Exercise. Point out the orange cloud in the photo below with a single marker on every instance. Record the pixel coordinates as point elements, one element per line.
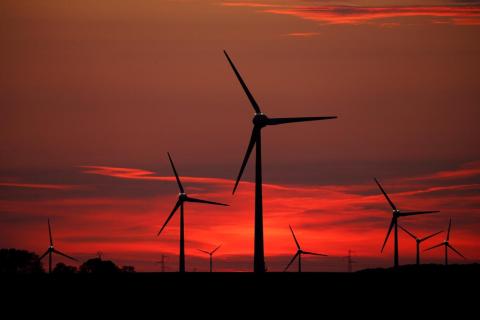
<point>302,34</point>
<point>459,15</point>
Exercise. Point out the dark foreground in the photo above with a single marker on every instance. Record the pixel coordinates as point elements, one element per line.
<point>454,288</point>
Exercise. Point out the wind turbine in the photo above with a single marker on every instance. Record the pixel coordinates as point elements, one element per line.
<point>260,120</point>
<point>447,245</point>
<point>211,256</point>
<point>350,261</point>
<point>419,240</point>
<point>52,250</point>
<point>182,198</point>
<point>299,253</point>
<point>396,213</point>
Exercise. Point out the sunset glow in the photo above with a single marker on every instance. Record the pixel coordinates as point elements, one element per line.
<point>94,95</point>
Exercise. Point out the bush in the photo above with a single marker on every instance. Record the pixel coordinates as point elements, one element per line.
<point>19,261</point>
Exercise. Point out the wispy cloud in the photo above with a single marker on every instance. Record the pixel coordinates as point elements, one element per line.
<point>383,16</point>
<point>302,34</point>
<point>38,186</point>
<point>468,170</point>
<point>140,174</point>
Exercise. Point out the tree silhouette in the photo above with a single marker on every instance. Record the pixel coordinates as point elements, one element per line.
<point>19,261</point>
<point>97,265</point>
<point>62,268</point>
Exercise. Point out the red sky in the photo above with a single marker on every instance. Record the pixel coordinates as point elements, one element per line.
<point>93,94</point>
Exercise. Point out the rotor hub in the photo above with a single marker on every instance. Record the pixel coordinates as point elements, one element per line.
<point>260,119</point>
<point>182,196</point>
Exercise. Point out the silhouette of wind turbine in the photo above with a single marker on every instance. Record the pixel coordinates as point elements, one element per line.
<point>52,250</point>
<point>447,245</point>
<point>260,120</point>
<point>350,261</point>
<point>419,240</point>
<point>211,256</point>
<point>182,198</point>
<point>299,253</point>
<point>162,262</point>
<point>396,213</point>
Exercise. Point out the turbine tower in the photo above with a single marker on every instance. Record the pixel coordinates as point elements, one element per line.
<point>260,121</point>
<point>51,249</point>
<point>419,240</point>
<point>396,213</point>
<point>182,198</point>
<point>299,253</point>
<point>447,245</point>
<point>211,256</point>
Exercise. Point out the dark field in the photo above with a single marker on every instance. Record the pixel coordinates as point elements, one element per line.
<point>412,287</point>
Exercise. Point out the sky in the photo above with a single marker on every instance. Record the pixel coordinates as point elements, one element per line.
<point>94,93</point>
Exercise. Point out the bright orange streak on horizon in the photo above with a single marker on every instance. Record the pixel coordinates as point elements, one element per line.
<point>327,219</point>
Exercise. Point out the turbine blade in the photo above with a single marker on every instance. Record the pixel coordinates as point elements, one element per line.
<point>176,174</point>
<point>414,213</point>
<point>291,261</point>
<point>215,249</point>
<point>392,223</point>
<point>275,121</point>
<point>449,226</point>
<point>456,251</point>
<point>244,86</point>
<point>63,254</point>
<point>385,194</point>
<point>203,251</point>
<point>436,246</point>
<point>294,238</point>
<point>170,216</point>
<point>50,233</point>
<point>315,254</point>
<point>432,235</point>
<point>205,201</point>
<point>410,234</point>
<point>251,144</point>
<point>43,255</point>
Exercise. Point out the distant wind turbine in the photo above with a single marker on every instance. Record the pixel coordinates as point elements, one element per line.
<point>260,120</point>
<point>350,261</point>
<point>447,245</point>
<point>299,253</point>
<point>419,240</point>
<point>182,198</point>
<point>211,256</point>
<point>162,262</point>
<point>52,250</point>
<point>396,213</point>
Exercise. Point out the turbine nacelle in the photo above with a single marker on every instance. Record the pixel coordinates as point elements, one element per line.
<point>260,120</point>
<point>50,248</point>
